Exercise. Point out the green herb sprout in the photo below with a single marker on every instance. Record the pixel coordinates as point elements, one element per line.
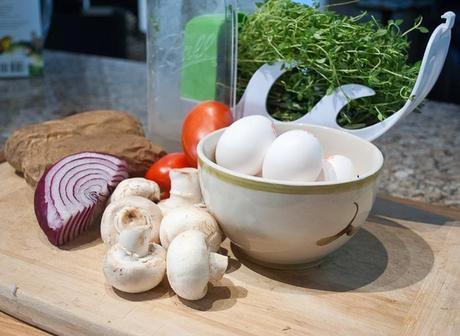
<point>327,50</point>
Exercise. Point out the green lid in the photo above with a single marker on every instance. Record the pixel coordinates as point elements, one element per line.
<point>200,57</point>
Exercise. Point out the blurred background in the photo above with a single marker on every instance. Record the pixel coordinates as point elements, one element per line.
<point>116,28</point>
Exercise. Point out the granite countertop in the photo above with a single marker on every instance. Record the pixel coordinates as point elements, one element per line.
<point>421,153</point>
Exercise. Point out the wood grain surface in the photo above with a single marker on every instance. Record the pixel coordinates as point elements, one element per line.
<point>399,275</point>
<point>9,326</point>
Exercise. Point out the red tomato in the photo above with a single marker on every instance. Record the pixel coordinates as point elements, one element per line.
<point>159,171</point>
<point>203,119</point>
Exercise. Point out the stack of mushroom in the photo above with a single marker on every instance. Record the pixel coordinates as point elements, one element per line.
<point>133,225</point>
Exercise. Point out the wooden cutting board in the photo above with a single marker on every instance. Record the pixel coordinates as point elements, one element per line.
<point>400,275</point>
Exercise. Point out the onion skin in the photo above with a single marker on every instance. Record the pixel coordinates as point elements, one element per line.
<point>91,177</point>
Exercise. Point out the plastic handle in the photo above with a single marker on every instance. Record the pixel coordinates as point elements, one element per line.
<point>430,69</point>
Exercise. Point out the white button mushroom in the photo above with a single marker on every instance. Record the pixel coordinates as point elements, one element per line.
<point>135,265</point>
<point>190,218</point>
<point>128,212</point>
<point>190,265</point>
<point>185,190</point>
<point>136,186</point>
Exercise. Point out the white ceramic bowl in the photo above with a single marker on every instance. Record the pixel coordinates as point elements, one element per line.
<point>284,223</point>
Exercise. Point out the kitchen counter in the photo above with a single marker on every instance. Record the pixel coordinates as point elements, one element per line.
<point>421,153</point>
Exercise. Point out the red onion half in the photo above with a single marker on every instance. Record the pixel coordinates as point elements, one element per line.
<point>72,193</point>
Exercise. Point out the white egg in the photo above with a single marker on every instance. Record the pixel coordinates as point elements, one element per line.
<point>294,156</point>
<point>243,144</point>
<point>338,168</point>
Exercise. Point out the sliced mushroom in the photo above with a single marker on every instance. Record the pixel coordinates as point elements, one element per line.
<point>185,190</point>
<point>128,212</point>
<point>136,186</point>
<point>135,265</point>
<point>190,265</point>
<point>190,218</point>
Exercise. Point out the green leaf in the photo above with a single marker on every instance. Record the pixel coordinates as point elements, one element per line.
<point>423,30</point>
<point>381,32</point>
<point>321,60</point>
<point>398,22</point>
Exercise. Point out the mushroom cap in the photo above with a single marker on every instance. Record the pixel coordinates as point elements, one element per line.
<point>127,212</point>
<point>190,218</point>
<point>131,274</point>
<point>190,265</point>
<point>171,203</point>
<point>187,263</point>
<point>136,186</point>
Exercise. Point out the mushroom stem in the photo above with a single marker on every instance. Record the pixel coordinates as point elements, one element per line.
<point>217,266</point>
<point>185,190</point>
<point>135,241</point>
<point>185,184</point>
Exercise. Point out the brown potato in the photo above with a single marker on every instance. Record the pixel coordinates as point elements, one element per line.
<point>32,149</point>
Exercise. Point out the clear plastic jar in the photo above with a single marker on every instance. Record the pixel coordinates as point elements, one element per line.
<point>190,58</point>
